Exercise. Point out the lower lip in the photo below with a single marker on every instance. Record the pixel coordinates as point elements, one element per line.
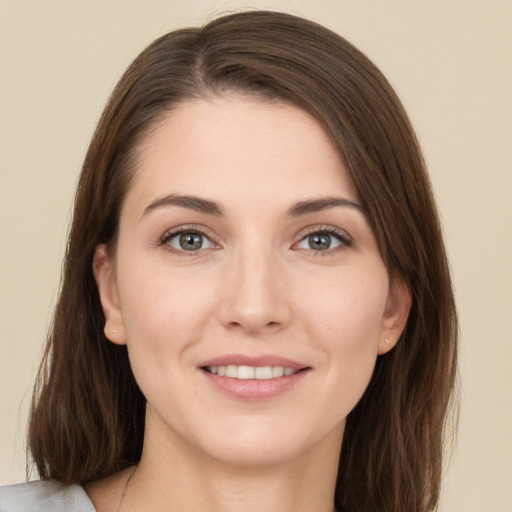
<point>255,389</point>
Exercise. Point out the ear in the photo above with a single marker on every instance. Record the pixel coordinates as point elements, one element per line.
<point>105,276</point>
<point>395,315</point>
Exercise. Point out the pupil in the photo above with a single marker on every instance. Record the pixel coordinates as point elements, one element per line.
<point>321,242</point>
<point>191,241</point>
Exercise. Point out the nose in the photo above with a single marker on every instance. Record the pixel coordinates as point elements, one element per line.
<point>254,296</point>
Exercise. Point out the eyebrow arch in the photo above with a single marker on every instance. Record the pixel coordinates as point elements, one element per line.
<point>192,202</point>
<point>316,205</point>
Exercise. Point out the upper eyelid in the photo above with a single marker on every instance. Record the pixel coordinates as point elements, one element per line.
<point>325,229</point>
<point>172,232</point>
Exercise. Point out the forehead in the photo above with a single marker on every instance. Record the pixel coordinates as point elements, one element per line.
<point>231,146</point>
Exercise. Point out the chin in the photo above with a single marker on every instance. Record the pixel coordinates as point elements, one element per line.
<point>256,454</point>
<point>269,444</point>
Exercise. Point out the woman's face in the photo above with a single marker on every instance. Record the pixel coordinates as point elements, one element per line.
<point>247,283</point>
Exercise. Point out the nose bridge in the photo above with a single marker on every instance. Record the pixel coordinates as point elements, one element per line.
<point>255,297</point>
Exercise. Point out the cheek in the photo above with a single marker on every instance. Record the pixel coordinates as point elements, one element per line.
<point>158,300</point>
<point>348,306</point>
<point>164,316</point>
<point>165,313</point>
<point>346,320</point>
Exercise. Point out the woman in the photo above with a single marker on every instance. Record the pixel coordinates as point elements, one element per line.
<point>256,311</point>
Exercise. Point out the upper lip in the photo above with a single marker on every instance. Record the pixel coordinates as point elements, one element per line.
<point>253,360</point>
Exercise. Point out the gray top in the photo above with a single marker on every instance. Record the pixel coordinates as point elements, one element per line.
<point>44,496</point>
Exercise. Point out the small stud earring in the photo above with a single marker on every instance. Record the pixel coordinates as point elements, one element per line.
<point>387,341</point>
<point>114,331</point>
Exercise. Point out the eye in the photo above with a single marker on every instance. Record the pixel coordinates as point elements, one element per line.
<point>189,241</point>
<point>323,240</point>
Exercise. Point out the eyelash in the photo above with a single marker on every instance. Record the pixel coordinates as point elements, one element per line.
<point>169,235</point>
<point>340,236</point>
<point>345,241</point>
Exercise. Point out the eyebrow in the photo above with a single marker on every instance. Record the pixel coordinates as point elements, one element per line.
<point>212,208</point>
<point>323,203</point>
<point>191,202</point>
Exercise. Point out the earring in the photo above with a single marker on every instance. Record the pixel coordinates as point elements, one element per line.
<point>387,341</point>
<point>115,331</point>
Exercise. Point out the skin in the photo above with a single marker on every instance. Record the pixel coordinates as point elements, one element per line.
<point>259,285</point>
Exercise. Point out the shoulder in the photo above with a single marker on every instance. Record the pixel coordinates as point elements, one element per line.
<point>44,495</point>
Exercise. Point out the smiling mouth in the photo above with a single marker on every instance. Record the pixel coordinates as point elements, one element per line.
<point>243,372</point>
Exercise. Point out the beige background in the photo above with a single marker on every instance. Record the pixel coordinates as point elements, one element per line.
<point>450,61</point>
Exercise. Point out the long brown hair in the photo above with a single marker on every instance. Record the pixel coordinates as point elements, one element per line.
<point>87,417</point>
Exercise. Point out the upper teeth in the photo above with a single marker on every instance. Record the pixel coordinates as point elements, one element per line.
<point>251,372</point>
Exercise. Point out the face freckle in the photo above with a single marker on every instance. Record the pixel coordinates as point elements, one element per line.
<point>216,267</point>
